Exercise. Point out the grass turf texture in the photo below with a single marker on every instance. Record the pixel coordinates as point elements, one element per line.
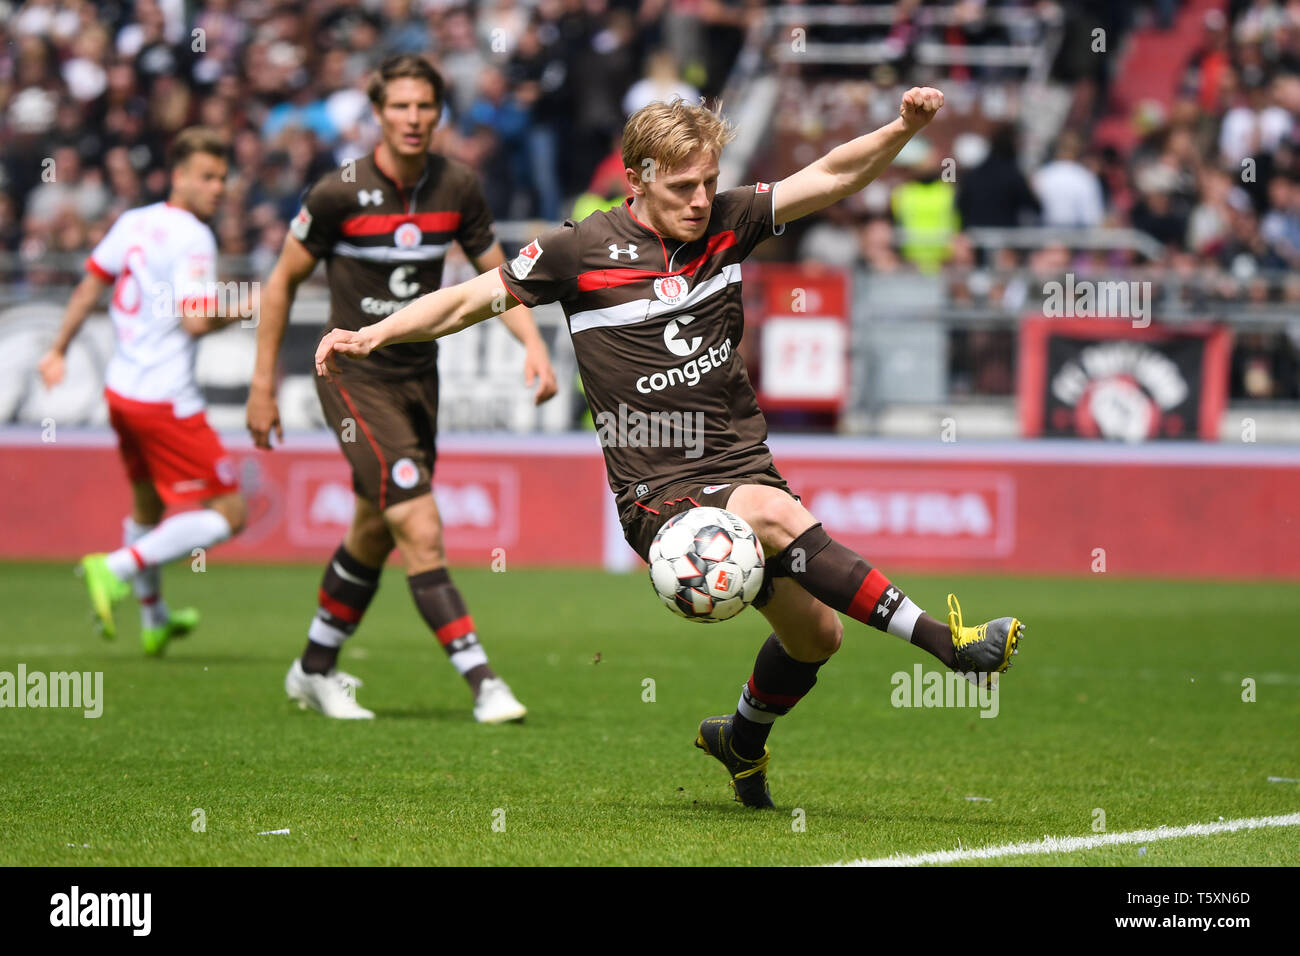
<point>1126,696</point>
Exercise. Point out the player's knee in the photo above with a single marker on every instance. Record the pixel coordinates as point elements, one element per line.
<point>420,543</point>
<point>233,509</point>
<point>817,639</point>
<point>777,519</point>
<point>830,635</point>
<point>370,540</point>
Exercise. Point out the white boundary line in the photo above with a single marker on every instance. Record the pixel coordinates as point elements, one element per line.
<point>1072,844</point>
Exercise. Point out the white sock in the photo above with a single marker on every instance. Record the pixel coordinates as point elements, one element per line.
<point>466,660</point>
<point>904,620</point>
<point>148,583</point>
<point>176,537</point>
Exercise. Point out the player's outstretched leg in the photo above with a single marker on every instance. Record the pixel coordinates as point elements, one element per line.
<point>417,530</point>
<point>842,579</point>
<point>805,634</point>
<point>109,577</point>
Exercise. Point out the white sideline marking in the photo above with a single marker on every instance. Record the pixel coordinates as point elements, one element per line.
<point>1071,844</point>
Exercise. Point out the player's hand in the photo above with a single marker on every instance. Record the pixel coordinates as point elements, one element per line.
<point>263,416</point>
<point>339,342</point>
<point>919,106</point>
<point>537,368</point>
<point>51,367</point>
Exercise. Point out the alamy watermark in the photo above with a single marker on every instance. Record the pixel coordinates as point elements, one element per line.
<point>81,690</point>
<point>1086,299</point>
<point>130,910</point>
<point>922,688</point>
<point>629,428</point>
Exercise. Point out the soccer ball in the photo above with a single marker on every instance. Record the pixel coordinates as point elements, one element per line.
<point>706,564</point>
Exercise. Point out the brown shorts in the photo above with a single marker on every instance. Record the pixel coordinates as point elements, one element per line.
<point>642,524</point>
<point>388,432</point>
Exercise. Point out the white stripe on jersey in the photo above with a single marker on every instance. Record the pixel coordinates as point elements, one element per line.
<point>642,310</point>
<point>390,254</point>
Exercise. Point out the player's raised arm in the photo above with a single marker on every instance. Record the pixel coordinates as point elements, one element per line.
<point>519,320</point>
<point>429,317</point>
<point>849,167</point>
<point>291,270</point>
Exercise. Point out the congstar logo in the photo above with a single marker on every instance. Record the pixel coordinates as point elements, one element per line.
<point>688,373</point>
<point>678,346</point>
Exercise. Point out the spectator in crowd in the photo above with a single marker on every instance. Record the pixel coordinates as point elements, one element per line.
<point>995,193</point>
<point>539,72</point>
<point>925,209</point>
<point>1069,192</point>
<point>662,83</point>
<point>498,112</point>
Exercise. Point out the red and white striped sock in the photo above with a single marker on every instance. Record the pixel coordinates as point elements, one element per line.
<point>841,578</point>
<point>147,583</point>
<point>176,537</point>
<point>443,609</point>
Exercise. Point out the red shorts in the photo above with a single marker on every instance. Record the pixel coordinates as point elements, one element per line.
<point>182,457</point>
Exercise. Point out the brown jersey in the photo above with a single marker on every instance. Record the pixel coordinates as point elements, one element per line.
<point>655,325</point>
<point>385,245</point>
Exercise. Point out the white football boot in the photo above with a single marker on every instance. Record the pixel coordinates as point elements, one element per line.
<point>333,694</point>
<point>496,704</point>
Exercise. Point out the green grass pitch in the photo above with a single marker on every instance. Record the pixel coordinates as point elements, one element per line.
<point>1126,697</point>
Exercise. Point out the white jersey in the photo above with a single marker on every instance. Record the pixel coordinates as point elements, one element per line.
<point>162,260</point>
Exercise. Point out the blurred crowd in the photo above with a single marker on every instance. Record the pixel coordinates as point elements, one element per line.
<point>1214,180</point>
<point>91,93</point>
<point>538,90</point>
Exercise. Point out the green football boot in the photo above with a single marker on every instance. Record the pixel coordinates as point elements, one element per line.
<point>105,588</point>
<point>179,624</point>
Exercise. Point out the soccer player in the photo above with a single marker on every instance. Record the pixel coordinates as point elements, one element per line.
<point>652,295</point>
<point>161,262</point>
<point>383,224</point>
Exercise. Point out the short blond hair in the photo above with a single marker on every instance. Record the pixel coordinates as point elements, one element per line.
<point>197,139</point>
<point>667,133</point>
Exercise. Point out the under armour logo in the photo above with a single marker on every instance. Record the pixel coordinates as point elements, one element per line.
<point>642,490</point>
<point>368,197</point>
<point>614,250</point>
<point>889,598</point>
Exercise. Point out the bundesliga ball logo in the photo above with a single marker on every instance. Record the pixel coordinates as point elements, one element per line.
<point>706,564</point>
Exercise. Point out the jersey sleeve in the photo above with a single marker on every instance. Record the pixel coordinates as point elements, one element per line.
<point>475,233</point>
<point>751,212</point>
<point>108,258</point>
<point>194,277</point>
<point>318,221</point>
<point>545,270</point>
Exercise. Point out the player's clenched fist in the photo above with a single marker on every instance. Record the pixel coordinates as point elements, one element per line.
<point>919,105</point>
<point>339,342</point>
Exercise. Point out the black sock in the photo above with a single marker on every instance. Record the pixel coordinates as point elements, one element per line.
<point>443,609</point>
<point>319,658</point>
<point>777,684</point>
<point>345,592</point>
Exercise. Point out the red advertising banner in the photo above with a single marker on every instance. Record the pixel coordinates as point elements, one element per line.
<point>63,499</point>
<point>1169,509</point>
